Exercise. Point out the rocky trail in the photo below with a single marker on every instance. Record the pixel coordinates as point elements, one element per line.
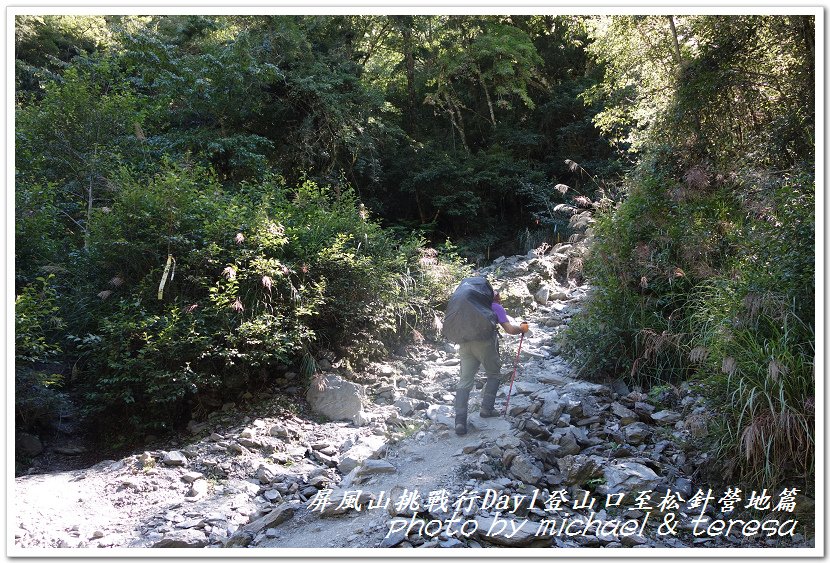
<point>390,472</point>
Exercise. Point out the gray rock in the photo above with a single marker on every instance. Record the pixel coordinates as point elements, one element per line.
<point>542,295</point>
<point>362,418</point>
<point>451,543</point>
<point>197,490</point>
<point>28,444</point>
<point>526,387</point>
<point>643,410</point>
<point>280,514</point>
<point>552,406</point>
<point>174,459</point>
<point>405,405</point>
<point>633,540</point>
<point>665,417</point>
<point>375,466</point>
<point>335,398</point>
<point>519,404</point>
<point>579,469</point>
<point>568,443</point>
<point>266,473</point>
<point>272,495</point>
<point>248,443</point>
<point>590,407</point>
<point>627,416</point>
<point>620,388</point>
<point>630,477</point>
<point>191,476</point>
<point>394,538</point>
<point>369,447</point>
<point>441,414</point>
<point>239,539</point>
<point>525,470</point>
<point>683,486</point>
<point>636,433</point>
<point>279,431</point>
<point>183,538</point>
<point>586,388</point>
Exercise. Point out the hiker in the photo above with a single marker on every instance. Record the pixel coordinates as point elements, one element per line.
<point>472,320</point>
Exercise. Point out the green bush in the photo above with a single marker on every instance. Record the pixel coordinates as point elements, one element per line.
<point>755,339</point>
<point>203,290</point>
<point>37,381</point>
<point>718,285</point>
<point>648,253</point>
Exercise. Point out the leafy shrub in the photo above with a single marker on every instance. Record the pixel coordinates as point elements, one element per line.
<point>648,253</point>
<point>202,290</point>
<point>37,324</point>
<point>755,339</point>
<point>715,284</point>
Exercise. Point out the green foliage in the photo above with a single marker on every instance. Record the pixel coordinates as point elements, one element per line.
<point>76,138</point>
<point>36,348</point>
<point>648,253</point>
<point>263,277</point>
<point>706,268</point>
<point>755,337</point>
<point>37,222</point>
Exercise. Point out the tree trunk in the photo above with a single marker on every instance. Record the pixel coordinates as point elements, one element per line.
<point>677,55</point>
<point>409,59</point>
<point>457,123</point>
<point>487,95</point>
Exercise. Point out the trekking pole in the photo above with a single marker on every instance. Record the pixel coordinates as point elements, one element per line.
<point>512,377</point>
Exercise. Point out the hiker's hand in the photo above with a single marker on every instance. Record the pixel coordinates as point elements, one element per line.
<point>524,327</point>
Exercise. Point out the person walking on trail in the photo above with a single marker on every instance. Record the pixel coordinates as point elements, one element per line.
<point>473,316</point>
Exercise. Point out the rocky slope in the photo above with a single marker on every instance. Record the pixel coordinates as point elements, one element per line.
<point>279,478</point>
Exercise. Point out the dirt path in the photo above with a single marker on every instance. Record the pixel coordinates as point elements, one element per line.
<point>424,465</point>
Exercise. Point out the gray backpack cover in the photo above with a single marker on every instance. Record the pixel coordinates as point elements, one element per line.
<point>469,314</point>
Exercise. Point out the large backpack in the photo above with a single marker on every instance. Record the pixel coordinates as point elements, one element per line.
<point>469,313</point>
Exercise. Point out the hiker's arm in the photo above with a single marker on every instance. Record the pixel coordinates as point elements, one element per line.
<point>510,328</point>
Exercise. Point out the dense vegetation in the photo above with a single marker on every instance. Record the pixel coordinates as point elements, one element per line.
<point>204,202</point>
<point>706,270</point>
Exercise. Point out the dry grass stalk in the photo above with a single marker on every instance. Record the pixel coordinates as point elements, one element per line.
<point>698,354</point>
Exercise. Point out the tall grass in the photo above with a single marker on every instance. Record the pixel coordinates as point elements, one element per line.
<point>759,367</point>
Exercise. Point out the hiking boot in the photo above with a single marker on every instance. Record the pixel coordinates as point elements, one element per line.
<point>462,396</point>
<point>488,398</point>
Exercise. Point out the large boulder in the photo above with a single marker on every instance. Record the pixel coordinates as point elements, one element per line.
<point>552,406</point>
<point>28,444</point>
<point>246,534</point>
<point>525,470</point>
<point>335,398</point>
<point>183,538</point>
<point>630,477</point>
<point>369,447</point>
